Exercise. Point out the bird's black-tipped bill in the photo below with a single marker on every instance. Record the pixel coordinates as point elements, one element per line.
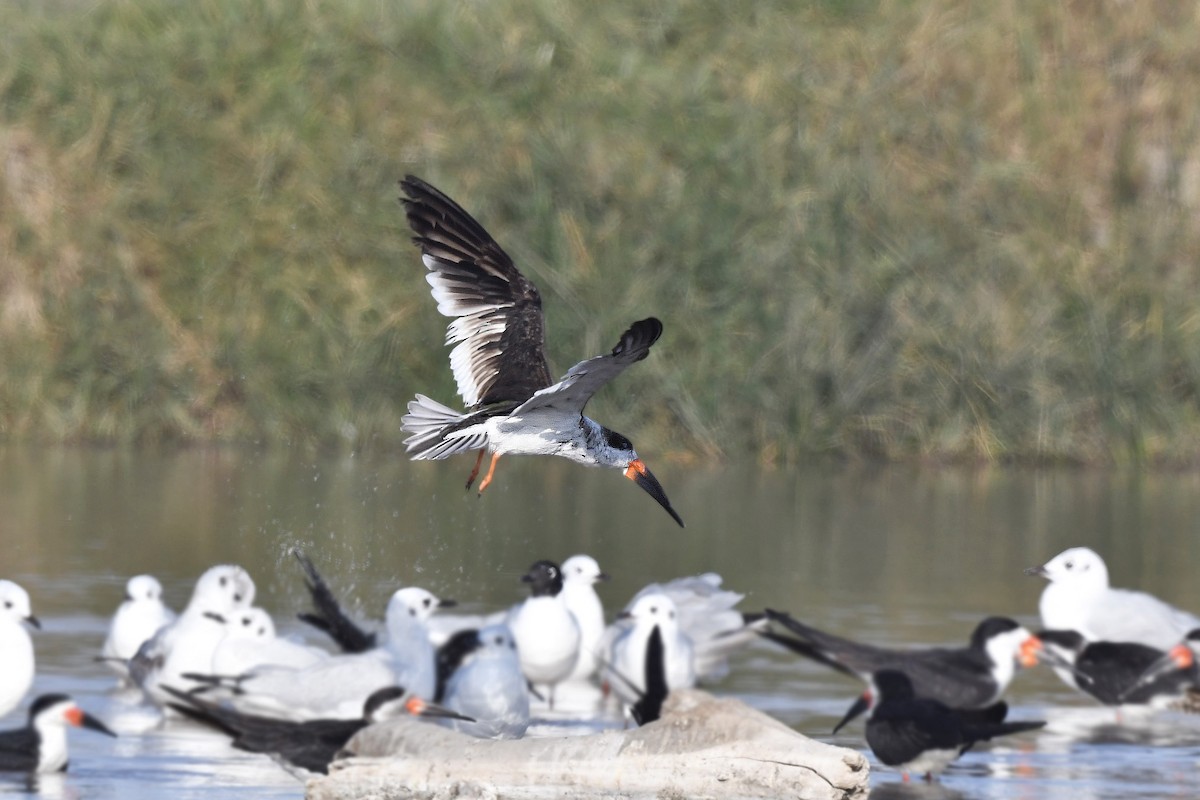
<point>861,704</point>
<point>34,621</point>
<point>1036,572</point>
<point>640,474</point>
<point>81,719</point>
<point>1178,658</point>
<point>419,708</point>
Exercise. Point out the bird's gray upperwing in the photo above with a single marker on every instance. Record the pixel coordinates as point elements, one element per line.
<point>498,327</point>
<point>587,377</point>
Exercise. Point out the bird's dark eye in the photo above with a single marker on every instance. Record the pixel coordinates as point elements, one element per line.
<point>412,612</point>
<point>1070,565</point>
<point>224,580</point>
<point>8,603</point>
<point>427,602</point>
<point>653,609</point>
<point>617,441</point>
<point>246,621</point>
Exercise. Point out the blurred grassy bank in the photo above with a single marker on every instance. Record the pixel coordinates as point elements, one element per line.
<point>901,229</point>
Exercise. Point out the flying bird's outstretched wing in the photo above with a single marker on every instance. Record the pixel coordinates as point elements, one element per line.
<point>498,327</point>
<point>585,378</point>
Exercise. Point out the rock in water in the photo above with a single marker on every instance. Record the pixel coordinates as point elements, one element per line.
<point>702,747</point>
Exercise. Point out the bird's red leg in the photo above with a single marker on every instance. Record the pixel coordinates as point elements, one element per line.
<point>487,479</point>
<point>475,471</point>
<point>904,777</point>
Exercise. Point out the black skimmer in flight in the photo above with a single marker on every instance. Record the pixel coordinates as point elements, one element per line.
<point>513,404</point>
<point>309,745</point>
<point>1113,672</point>
<point>971,677</point>
<point>919,735</point>
<point>41,746</point>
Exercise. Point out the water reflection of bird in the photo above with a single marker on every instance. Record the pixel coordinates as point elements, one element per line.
<point>1079,598</point>
<point>41,746</point>
<point>970,677</point>
<point>922,736</point>
<point>17,663</point>
<point>310,745</point>
<point>499,363</point>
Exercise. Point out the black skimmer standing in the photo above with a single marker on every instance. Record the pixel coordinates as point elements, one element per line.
<point>970,677</point>
<point>920,735</point>
<point>499,363</point>
<point>1079,598</point>
<point>17,664</point>
<point>309,745</point>
<point>1179,664</point>
<point>1112,672</point>
<point>41,746</point>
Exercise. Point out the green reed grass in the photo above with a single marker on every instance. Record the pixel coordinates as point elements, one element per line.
<point>908,230</point>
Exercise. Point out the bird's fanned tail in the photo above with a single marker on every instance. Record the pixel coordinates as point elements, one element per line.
<point>432,425</point>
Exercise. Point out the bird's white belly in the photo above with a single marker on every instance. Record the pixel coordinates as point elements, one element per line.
<point>931,762</point>
<point>536,434</point>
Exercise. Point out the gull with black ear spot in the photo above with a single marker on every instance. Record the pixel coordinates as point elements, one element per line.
<point>489,687</point>
<point>650,613</point>
<point>141,614</point>
<point>499,362</point>
<point>337,687</point>
<point>186,646</point>
<point>1079,598</point>
<point>250,641</point>
<point>16,648</point>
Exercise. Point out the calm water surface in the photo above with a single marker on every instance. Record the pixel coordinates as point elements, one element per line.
<point>897,555</point>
